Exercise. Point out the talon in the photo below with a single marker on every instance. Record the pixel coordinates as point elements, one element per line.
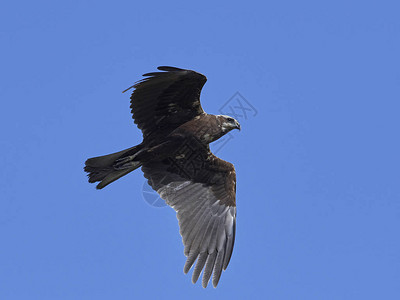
<point>131,164</point>
<point>122,163</point>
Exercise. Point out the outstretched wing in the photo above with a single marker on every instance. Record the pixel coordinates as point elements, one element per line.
<point>203,193</point>
<point>165,100</point>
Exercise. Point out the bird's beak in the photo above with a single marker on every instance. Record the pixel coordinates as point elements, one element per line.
<point>237,125</point>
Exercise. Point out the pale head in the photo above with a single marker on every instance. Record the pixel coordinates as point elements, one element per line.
<point>227,123</point>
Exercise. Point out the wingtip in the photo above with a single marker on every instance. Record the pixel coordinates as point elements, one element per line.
<point>194,280</point>
<point>215,281</point>
<point>204,284</point>
<point>169,69</point>
<point>186,270</point>
<point>128,88</point>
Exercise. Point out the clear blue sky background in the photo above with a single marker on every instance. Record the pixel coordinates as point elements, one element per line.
<point>318,167</point>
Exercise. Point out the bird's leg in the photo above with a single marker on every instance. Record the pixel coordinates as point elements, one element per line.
<point>158,152</point>
<point>161,151</point>
<point>127,162</point>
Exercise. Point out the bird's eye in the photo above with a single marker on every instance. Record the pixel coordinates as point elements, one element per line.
<point>229,119</point>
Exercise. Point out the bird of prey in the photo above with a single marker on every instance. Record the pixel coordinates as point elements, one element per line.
<point>177,162</point>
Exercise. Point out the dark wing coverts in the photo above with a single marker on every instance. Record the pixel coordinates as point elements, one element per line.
<point>206,212</point>
<point>165,100</point>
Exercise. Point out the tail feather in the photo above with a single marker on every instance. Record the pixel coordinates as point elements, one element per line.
<point>102,168</point>
<point>112,176</point>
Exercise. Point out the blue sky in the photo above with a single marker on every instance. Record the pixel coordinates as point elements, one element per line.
<point>317,165</point>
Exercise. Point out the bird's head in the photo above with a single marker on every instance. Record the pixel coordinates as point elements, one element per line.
<point>228,123</point>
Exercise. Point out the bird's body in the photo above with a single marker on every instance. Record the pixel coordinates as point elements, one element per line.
<point>176,159</point>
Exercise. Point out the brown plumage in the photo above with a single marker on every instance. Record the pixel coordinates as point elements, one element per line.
<point>176,160</point>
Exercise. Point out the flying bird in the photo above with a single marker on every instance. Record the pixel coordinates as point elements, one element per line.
<point>176,160</point>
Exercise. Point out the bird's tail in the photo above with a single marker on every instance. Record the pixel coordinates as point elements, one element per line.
<point>108,168</point>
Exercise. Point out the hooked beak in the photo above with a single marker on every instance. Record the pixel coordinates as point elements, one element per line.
<point>237,125</point>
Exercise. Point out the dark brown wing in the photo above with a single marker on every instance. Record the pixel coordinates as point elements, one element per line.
<point>203,193</point>
<point>165,100</point>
